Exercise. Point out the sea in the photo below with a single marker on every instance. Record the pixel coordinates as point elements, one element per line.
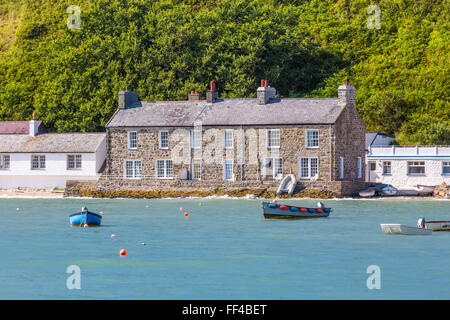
<point>223,249</point>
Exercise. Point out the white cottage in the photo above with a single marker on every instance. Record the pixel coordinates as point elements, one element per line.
<point>48,160</point>
<point>405,167</point>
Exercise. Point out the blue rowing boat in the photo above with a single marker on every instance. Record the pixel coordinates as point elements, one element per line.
<point>85,217</point>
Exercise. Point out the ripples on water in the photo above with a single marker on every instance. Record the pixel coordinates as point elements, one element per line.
<point>223,250</point>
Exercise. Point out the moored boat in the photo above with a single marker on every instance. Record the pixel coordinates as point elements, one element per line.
<point>389,191</point>
<point>392,228</point>
<point>85,217</point>
<point>438,225</point>
<point>273,210</point>
<point>368,193</point>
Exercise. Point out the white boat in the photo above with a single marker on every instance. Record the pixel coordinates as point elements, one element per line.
<point>389,191</point>
<point>438,225</point>
<point>368,193</point>
<point>407,192</point>
<point>287,185</point>
<point>391,228</point>
<point>425,189</point>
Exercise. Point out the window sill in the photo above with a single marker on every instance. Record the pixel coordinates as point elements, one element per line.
<point>312,147</point>
<point>416,174</point>
<point>164,178</point>
<point>386,174</point>
<point>273,147</point>
<point>163,148</point>
<point>133,178</point>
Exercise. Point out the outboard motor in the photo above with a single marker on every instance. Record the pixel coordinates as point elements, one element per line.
<point>421,223</point>
<point>320,205</point>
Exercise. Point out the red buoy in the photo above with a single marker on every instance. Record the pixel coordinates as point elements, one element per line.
<point>123,253</point>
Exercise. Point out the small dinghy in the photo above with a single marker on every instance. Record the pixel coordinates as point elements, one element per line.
<point>391,228</point>
<point>287,185</point>
<point>79,219</point>
<point>273,210</point>
<point>368,193</point>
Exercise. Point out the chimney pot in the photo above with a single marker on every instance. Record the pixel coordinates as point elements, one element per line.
<point>262,83</point>
<point>347,81</point>
<point>34,115</point>
<point>266,83</point>
<point>211,94</point>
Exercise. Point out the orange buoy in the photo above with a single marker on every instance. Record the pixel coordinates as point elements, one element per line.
<point>181,209</point>
<point>123,253</point>
<point>186,214</point>
<point>86,225</point>
<point>274,201</point>
<point>113,236</point>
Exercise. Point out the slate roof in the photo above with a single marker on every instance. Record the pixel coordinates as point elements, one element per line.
<point>229,112</point>
<point>18,127</point>
<point>371,136</point>
<point>51,143</point>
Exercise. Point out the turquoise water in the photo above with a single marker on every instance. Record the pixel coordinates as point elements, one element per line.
<point>223,250</point>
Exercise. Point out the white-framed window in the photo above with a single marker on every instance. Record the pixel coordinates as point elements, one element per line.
<point>228,170</point>
<point>133,169</point>
<point>359,168</point>
<point>74,162</point>
<point>273,138</point>
<point>416,167</point>
<point>228,139</point>
<point>372,166</point>
<point>309,167</point>
<point>196,169</point>
<point>164,139</point>
<point>341,167</point>
<point>132,140</point>
<point>164,169</point>
<point>37,162</point>
<point>196,138</point>
<point>446,167</point>
<point>4,161</point>
<point>312,138</point>
<point>387,168</point>
<point>273,167</point>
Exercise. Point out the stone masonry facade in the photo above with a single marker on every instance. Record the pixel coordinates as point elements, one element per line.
<point>340,146</point>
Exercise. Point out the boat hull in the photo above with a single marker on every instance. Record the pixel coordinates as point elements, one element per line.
<point>82,218</point>
<point>438,225</point>
<point>277,213</point>
<point>391,228</point>
<point>367,193</point>
<point>287,185</point>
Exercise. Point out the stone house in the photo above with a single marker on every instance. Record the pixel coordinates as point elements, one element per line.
<point>226,143</point>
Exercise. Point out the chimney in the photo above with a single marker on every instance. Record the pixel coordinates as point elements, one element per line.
<point>194,96</point>
<point>127,98</point>
<point>265,93</point>
<point>347,93</point>
<point>34,126</point>
<point>211,94</point>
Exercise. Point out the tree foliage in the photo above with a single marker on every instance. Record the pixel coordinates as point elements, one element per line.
<point>167,48</point>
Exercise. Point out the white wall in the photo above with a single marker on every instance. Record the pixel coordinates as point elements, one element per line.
<point>54,175</point>
<point>399,168</point>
